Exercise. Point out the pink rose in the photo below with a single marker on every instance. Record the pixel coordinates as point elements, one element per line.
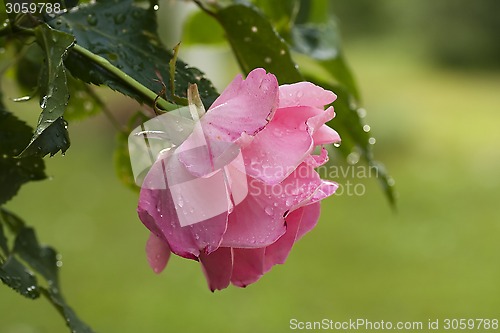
<point>241,189</point>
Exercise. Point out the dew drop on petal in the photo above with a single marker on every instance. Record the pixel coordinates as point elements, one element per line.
<point>269,210</point>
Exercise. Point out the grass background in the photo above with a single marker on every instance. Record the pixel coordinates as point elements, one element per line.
<point>437,257</point>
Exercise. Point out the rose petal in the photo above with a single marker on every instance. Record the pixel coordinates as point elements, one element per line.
<point>258,221</point>
<point>217,267</point>
<point>157,252</point>
<point>304,94</point>
<point>246,106</point>
<point>317,160</point>
<point>248,266</point>
<point>309,219</point>
<point>285,143</point>
<point>325,135</point>
<point>304,219</point>
<point>181,212</point>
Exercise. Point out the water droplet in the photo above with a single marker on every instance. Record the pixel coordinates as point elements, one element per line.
<point>336,144</point>
<point>353,158</point>
<point>180,201</point>
<point>268,60</point>
<point>254,29</point>
<point>91,19</point>
<point>275,204</point>
<point>361,113</point>
<point>43,104</point>
<point>269,210</point>
<point>391,181</point>
<point>59,263</point>
<point>372,141</point>
<point>288,202</point>
<point>366,128</point>
<point>282,52</point>
<point>156,7</point>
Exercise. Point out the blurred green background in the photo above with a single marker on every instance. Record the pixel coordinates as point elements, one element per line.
<point>429,74</point>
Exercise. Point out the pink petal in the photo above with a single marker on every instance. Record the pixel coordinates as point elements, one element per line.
<point>258,221</point>
<point>255,222</point>
<point>285,143</point>
<point>157,252</point>
<point>246,106</point>
<point>181,212</point>
<point>217,267</point>
<point>304,94</point>
<point>309,219</point>
<point>248,266</point>
<point>303,219</point>
<point>325,135</point>
<point>317,160</point>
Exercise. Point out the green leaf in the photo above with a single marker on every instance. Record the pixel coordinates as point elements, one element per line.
<point>255,43</point>
<point>50,141</point>
<point>12,221</point>
<point>3,241</point>
<point>125,34</point>
<point>75,324</point>
<point>200,28</point>
<point>53,92</point>
<point>15,275</point>
<point>280,13</point>
<point>41,258</point>
<point>321,41</point>
<point>14,172</point>
<point>349,124</point>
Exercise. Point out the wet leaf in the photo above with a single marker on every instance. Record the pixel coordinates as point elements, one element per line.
<point>55,138</point>
<point>54,93</point>
<point>15,275</point>
<point>351,128</point>
<point>14,172</point>
<point>281,13</point>
<point>125,34</point>
<point>255,43</point>
<point>3,241</point>
<point>41,258</point>
<point>321,41</point>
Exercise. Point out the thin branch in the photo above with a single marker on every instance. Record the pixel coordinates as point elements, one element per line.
<point>165,105</point>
